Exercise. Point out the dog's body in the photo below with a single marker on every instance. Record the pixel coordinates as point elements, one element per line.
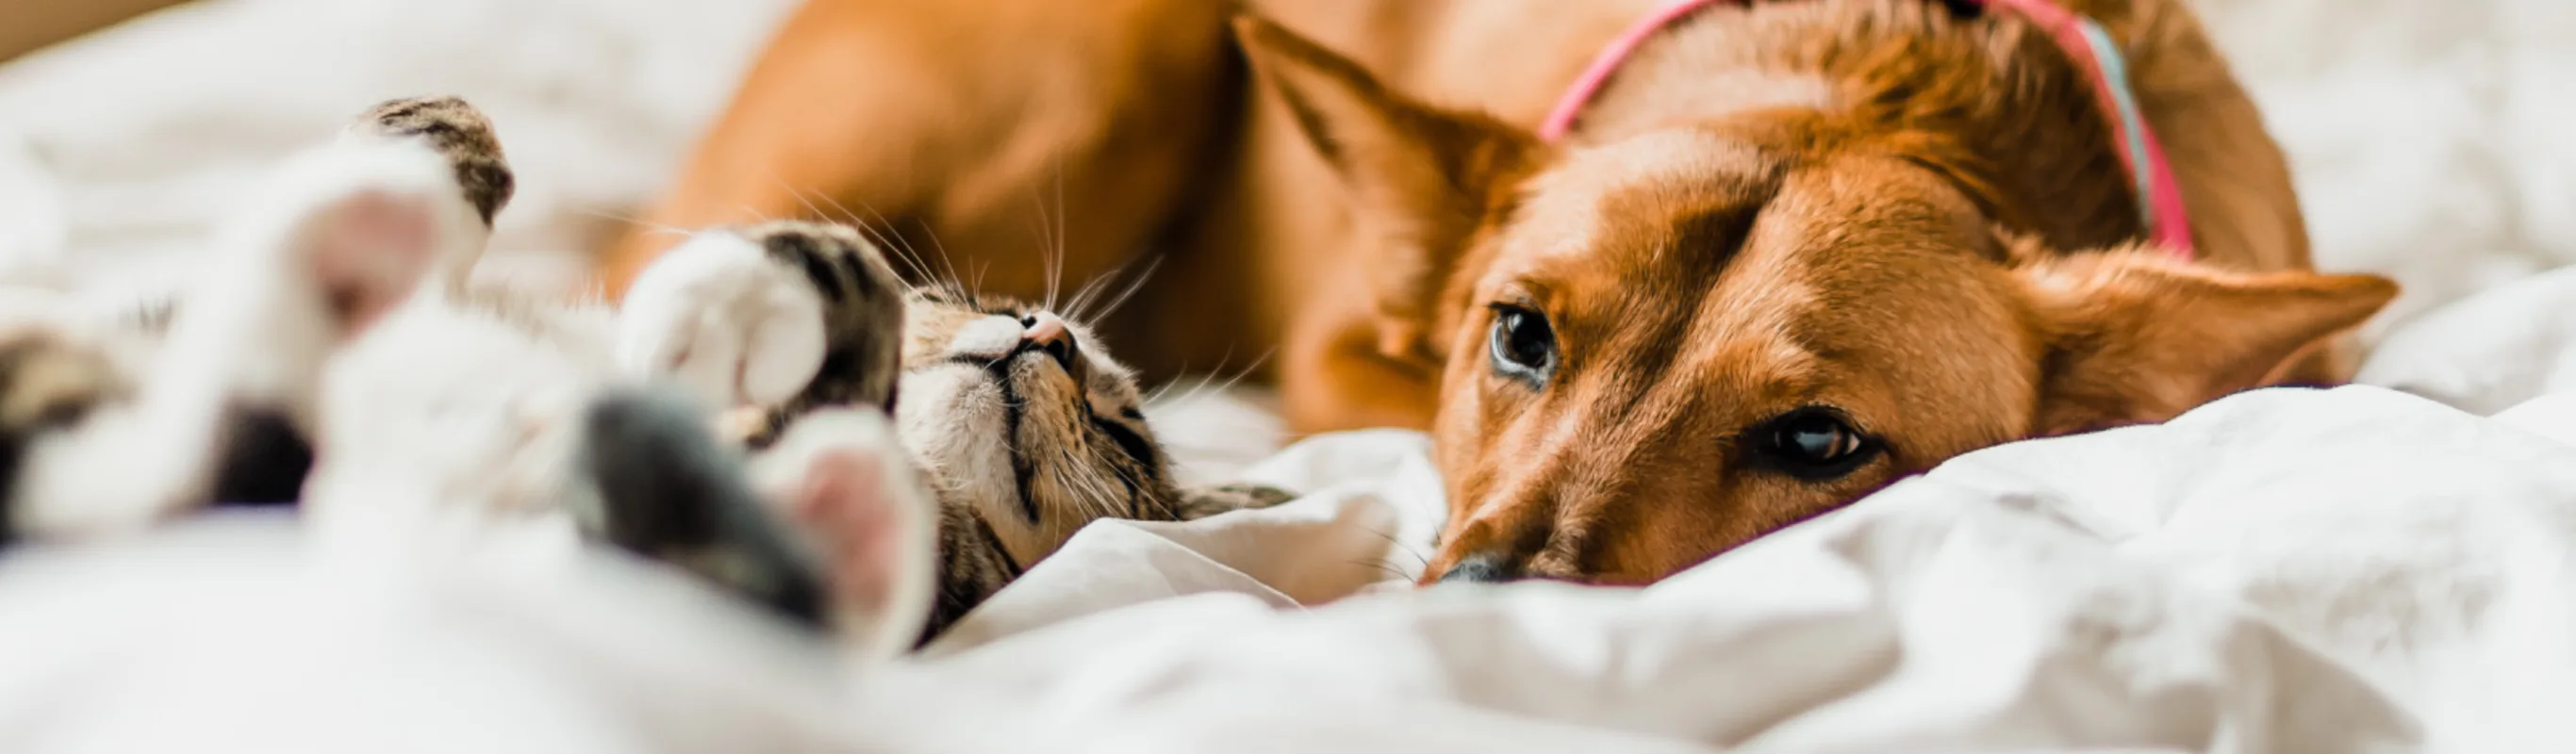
<point>1846,229</point>
<point>1118,122</point>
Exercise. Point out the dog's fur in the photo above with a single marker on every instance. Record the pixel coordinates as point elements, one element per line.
<point>1890,231</point>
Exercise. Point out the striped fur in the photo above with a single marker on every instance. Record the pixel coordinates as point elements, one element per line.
<point>48,383</point>
<point>460,133</point>
<point>863,314</point>
<point>1019,447</point>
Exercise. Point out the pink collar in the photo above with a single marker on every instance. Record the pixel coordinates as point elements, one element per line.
<point>2160,204</point>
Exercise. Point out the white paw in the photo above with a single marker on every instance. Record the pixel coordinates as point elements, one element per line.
<point>337,239</point>
<point>367,218</point>
<point>844,478</point>
<point>725,321</point>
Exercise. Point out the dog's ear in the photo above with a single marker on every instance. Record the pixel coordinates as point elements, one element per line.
<point>2136,336</point>
<point>1421,179</point>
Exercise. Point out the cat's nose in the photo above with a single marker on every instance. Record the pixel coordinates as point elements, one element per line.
<point>1046,332</point>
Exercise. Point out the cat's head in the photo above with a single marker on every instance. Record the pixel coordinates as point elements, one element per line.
<point>1024,414</point>
<point>1025,427</point>
<point>1017,413</point>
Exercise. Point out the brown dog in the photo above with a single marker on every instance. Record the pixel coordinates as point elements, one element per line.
<point>1793,252</point>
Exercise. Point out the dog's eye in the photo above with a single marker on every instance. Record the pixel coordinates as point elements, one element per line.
<point>1814,444</point>
<point>1524,346</point>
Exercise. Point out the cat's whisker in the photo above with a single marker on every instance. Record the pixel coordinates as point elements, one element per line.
<point>1124,294</point>
<point>756,216</point>
<point>1400,546</point>
<point>1381,567</point>
<point>1063,236</point>
<point>949,262</point>
<point>1081,296</point>
<point>892,244</point>
<point>810,209</point>
<point>639,222</point>
<point>884,241</point>
<point>1098,497</point>
<point>946,280</point>
<point>1207,384</point>
<point>1051,241</point>
<point>973,291</point>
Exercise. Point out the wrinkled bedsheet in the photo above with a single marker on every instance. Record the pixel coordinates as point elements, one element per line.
<point>2287,570</point>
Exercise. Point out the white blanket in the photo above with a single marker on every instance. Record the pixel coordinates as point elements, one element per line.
<point>2354,570</point>
<point>2288,570</point>
<point>2351,570</point>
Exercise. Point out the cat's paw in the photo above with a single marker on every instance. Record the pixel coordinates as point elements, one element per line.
<point>49,382</point>
<point>841,475</point>
<point>367,249</point>
<point>332,243</point>
<point>724,319</point>
<point>455,130</point>
<point>349,232</point>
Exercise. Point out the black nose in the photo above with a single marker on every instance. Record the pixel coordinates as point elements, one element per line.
<point>1486,568</point>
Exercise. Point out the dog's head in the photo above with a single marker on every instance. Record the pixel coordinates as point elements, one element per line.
<point>1657,348</point>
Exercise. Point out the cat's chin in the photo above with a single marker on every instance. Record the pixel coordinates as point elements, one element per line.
<point>981,425</point>
<point>956,417</point>
<point>974,407</point>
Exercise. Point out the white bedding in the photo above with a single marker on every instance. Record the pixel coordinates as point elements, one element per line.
<point>2344,571</point>
<point>2354,570</point>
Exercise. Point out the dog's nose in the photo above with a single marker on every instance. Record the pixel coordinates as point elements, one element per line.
<point>1046,332</point>
<point>1486,568</point>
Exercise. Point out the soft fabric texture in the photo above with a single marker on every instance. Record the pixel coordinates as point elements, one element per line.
<point>2287,570</point>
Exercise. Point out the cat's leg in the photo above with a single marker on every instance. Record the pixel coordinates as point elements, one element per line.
<point>667,490</point>
<point>333,243</point>
<point>830,528</point>
<point>796,328</point>
<point>768,322</point>
<point>348,221</point>
<point>843,477</point>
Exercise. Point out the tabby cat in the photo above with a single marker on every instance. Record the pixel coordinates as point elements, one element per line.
<point>729,420</point>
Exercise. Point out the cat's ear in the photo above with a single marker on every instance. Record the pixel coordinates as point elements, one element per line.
<point>1202,502</point>
<point>842,474</point>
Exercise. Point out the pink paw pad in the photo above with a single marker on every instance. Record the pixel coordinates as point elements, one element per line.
<point>368,252</point>
<point>844,497</point>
